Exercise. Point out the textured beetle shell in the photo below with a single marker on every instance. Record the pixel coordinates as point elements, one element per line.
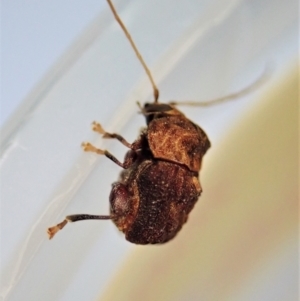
<point>175,138</point>
<point>161,196</point>
<point>161,181</point>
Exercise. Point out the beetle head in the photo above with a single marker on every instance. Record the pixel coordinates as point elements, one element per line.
<point>158,110</point>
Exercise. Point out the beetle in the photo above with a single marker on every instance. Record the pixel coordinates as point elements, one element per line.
<point>159,185</point>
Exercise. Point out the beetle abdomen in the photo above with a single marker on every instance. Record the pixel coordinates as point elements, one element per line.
<point>167,193</point>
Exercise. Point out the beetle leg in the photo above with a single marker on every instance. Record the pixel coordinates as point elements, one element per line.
<point>99,129</point>
<point>74,218</point>
<point>88,147</point>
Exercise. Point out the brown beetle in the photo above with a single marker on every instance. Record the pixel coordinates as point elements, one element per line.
<point>159,185</point>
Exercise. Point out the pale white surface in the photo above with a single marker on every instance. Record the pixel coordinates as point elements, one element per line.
<point>34,34</point>
<point>197,50</point>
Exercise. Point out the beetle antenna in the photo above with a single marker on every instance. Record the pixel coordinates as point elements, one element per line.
<point>247,90</point>
<point>74,218</point>
<point>139,56</point>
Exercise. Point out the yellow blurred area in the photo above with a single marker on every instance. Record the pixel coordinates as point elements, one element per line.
<point>244,224</point>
